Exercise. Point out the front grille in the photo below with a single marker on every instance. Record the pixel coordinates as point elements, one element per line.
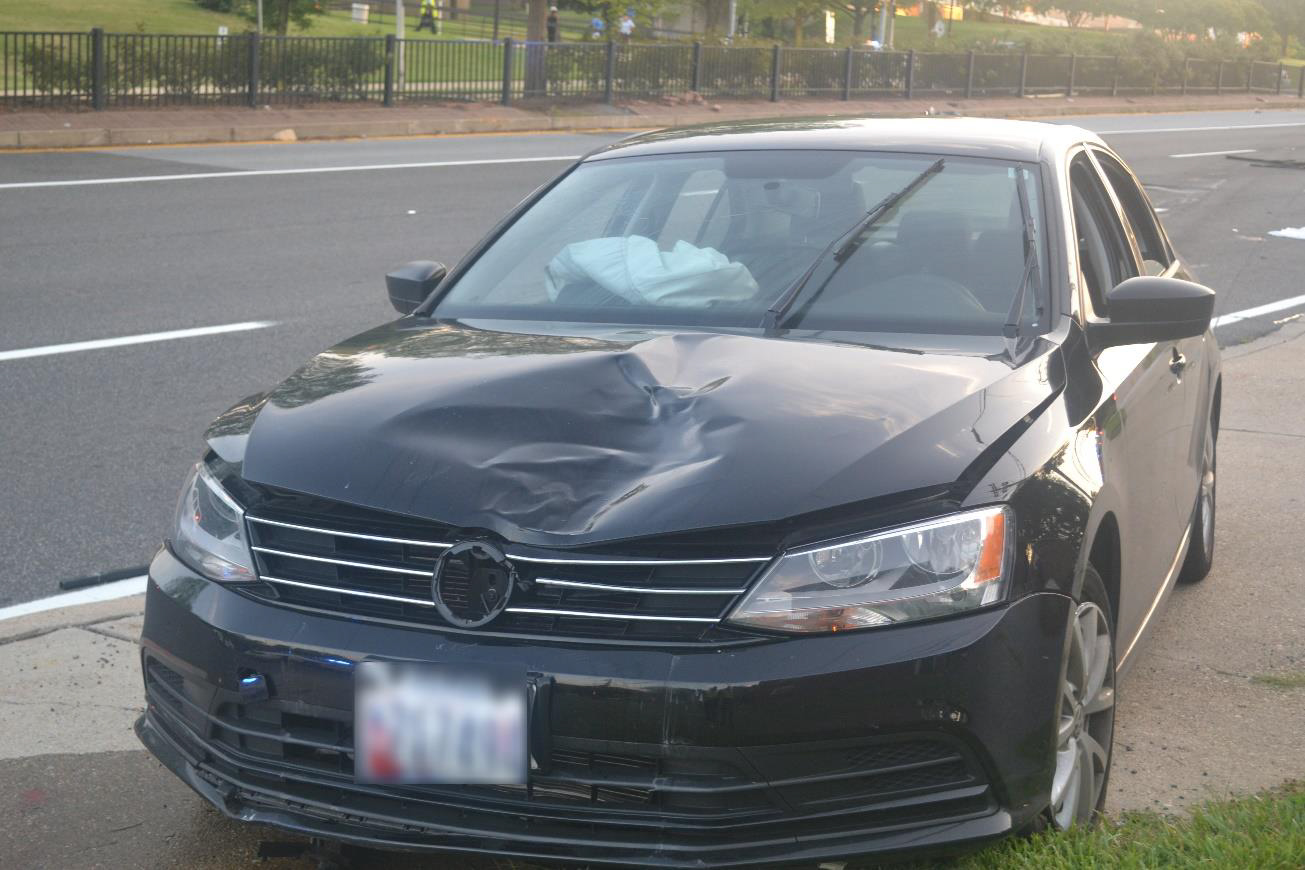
<point>342,559</point>
<point>587,787</point>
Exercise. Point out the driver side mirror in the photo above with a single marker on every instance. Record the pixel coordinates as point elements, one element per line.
<point>1146,309</point>
<point>411,283</point>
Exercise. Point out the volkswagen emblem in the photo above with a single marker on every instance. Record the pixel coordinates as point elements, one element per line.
<point>472,583</point>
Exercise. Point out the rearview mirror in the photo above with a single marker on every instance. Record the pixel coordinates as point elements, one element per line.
<point>1146,309</point>
<point>411,283</point>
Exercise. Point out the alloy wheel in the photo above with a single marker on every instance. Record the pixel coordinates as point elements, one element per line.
<point>1207,500</point>
<point>1087,720</point>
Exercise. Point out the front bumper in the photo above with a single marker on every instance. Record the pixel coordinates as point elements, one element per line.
<point>919,737</point>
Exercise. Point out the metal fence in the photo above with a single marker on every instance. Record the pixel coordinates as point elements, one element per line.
<point>108,70</point>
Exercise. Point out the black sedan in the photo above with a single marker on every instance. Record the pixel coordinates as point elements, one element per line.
<point>771,492</point>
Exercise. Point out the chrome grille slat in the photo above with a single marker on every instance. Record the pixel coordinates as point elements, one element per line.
<point>306,562</point>
<point>640,590</point>
<point>649,562</point>
<point>367,566</point>
<point>439,545</point>
<point>585,614</point>
<point>340,590</point>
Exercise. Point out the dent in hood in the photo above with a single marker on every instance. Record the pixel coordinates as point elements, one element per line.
<point>603,434</point>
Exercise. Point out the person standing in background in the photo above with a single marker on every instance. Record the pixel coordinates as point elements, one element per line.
<point>430,15</point>
<point>627,25</point>
<point>552,24</point>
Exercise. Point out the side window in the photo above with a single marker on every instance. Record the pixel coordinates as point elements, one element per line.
<point>1137,209</point>
<point>1104,255</point>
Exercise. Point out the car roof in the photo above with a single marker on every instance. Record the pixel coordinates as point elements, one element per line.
<point>976,137</point>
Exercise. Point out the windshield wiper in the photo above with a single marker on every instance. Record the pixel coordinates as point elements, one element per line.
<point>1011,329</point>
<point>844,246</point>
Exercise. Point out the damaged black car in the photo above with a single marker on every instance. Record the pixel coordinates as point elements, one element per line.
<point>771,492</point>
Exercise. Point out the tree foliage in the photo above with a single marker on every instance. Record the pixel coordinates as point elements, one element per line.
<point>278,15</point>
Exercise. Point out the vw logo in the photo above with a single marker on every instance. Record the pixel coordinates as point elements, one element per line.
<point>472,583</point>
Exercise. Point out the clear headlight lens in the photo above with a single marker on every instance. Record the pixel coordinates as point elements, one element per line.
<point>208,532</point>
<point>935,568</point>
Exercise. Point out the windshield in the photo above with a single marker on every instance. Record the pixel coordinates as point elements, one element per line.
<point>715,239</point>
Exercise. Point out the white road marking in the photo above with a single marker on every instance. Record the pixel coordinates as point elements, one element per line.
<point>1258,310</point>
<point>123,340</point>
<point>1200,129</point>
<point>302,170</point>
<point>91,594</point>
<point>1289,233</point>
<point>1215,153</point>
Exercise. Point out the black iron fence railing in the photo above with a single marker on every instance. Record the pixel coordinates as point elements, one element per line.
<point>108,70</point>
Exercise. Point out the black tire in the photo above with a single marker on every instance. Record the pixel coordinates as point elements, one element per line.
<point>1096,724</point>
<point>1200,547</point>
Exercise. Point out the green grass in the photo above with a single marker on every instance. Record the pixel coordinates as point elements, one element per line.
<point>1266,832</point>
<point>1292,680</point>
<point>186,16</point>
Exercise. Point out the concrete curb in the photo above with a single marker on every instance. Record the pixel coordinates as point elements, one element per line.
<point>37,624</point>
<point>535,122</point>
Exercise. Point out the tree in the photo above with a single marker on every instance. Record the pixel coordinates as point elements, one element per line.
<point>799,13</point>
<point>858,11</point>
<point>1201,17</point>
<point>277,14</point>
<point>1075,11</point>
<point>1288,17</point>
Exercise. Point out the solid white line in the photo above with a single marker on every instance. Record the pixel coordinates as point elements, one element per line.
<point>303,170</point>
<point>1258,310</point>
<point>107,592</point>
<point>122,340</point>
<point>1215,153</point>
<point>1200,129</point>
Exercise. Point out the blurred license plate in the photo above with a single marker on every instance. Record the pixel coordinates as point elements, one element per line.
<point>427,723</point>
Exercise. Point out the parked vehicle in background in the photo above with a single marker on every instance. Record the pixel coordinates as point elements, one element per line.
<point>765,492</point>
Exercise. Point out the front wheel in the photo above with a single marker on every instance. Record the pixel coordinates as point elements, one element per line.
<point>1200,549</point>
<point>1086,722</point>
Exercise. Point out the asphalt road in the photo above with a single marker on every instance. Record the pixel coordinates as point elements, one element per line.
<point>94,443</point>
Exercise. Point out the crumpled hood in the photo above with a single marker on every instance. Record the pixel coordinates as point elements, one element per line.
<point>604,433</point>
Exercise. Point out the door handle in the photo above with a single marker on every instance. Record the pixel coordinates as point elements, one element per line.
<point>1177,363</point>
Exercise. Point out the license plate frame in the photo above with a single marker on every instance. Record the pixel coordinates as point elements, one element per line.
<point>422,723</point>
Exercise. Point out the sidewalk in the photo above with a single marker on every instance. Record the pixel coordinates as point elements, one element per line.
<point>45,129</point>
<point>1196,720</point>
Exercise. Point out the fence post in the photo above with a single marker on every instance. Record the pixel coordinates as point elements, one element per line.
<point>910,74</point>
<point>696,84</point>
<point>1187,62</point>
<point>255,51</point>
<point>389,71</point>
<point>1155,82</point>
<point>97,68</point>
<point>1114,79</point>
<point>969,77</point>
<point>506,98</point>
<point>1024,72</point>
<point>1069,85</point>
<point>848,60</point>
<point>1250,74</point>
<point>1300,86</point>
<point>1218,82</point>
<point>774,74</point>
<point>609,72</point>
<point>1278,87</point>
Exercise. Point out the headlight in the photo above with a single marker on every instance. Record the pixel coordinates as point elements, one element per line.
<point>921,571</point>
<point>208,532</point>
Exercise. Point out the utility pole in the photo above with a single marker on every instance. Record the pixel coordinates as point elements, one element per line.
<point>883,23</point>
<point>734,18</point>
<point>398,36</point>
<point>260,17</point>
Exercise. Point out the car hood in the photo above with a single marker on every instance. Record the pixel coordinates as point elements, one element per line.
<point>589,434</point>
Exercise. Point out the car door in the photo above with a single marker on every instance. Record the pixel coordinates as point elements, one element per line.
<point>1187,356</point>
<point>1138,440</point>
